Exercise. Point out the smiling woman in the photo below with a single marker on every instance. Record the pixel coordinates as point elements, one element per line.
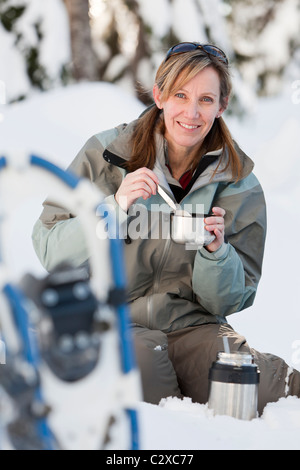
<point>196,81</point>
<point>180,295</point>
<point>189,115</point>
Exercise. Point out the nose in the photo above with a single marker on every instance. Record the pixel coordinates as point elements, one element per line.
<point>192,110</point>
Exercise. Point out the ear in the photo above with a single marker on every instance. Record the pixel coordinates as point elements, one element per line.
<point>223,108</point>
<point>157,96</point>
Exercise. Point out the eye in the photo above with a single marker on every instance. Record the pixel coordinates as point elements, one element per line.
<point>180,95</point>
<point>207,99</point>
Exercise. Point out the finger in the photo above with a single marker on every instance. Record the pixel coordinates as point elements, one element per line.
<point>219,235</point>
<point>148,172</point>
<point>143,179</point>
<point>134,196</point>
<point>140,193</point>
<point>142,187</point>
<point>213,228</point>
<point>219,211</point>
<point>214,220</point>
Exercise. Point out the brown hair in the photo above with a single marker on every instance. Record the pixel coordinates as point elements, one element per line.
<point>170,77</point>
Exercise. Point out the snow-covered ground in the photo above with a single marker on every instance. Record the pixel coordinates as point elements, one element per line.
<point>56,124</point>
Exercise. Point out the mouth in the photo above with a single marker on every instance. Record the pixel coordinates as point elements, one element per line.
<point>187,126</point>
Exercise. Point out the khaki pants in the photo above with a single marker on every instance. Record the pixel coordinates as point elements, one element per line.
<point>177,364</point>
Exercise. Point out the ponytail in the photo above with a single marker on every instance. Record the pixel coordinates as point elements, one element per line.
<point>143,152</point>
<point>220,137</point>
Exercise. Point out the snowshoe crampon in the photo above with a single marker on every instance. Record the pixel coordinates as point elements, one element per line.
<point>70,379</point>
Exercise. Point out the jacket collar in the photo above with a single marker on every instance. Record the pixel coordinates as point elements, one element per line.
<point>118,153</point>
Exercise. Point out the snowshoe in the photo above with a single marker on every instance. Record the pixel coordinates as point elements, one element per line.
<point>70,379</point>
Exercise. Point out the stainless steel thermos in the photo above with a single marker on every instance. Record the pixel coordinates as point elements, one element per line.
<point>234,379</point>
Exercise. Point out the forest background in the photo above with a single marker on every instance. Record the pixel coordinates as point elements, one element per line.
<point>49,43</point>
<point>70,68</point>
<point>59,57</point>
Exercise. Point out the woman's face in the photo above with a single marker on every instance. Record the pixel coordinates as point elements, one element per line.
<point>190,112</point>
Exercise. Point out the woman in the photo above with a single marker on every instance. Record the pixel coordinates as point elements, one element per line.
<point>179,297</point>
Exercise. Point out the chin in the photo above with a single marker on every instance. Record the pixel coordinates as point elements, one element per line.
<point>189,142</point>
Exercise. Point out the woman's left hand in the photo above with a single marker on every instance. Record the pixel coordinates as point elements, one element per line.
<point>216,225</point>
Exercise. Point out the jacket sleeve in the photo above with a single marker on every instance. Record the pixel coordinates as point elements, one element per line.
<point>64,242</point>
<point>58,236</point>
<point>226,281</point>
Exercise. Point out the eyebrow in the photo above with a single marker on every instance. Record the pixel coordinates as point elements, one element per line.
<point>204,93</point>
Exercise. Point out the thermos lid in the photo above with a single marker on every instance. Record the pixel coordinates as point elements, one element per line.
<point>237,368</point>
<point>236,359</point>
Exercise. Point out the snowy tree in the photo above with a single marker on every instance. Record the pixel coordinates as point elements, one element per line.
<point>261,38</point>
<point>35,46</point>
<point>266,41</point>
<point>84,61</point>
<point>119,39</point>
<point>131,36</point>
<point>46,43</point>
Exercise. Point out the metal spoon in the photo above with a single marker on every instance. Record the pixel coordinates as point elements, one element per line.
<point>167,198</point>
<point>171,203</point>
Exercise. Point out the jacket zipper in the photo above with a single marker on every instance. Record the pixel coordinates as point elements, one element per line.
<point>156,282</point>
<point>161,265</point>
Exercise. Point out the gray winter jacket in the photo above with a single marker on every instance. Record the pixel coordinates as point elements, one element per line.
<point>169,287</point>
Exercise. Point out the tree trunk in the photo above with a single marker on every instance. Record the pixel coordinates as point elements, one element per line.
<point>83,57</point>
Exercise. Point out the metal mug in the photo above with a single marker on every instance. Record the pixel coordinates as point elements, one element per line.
<point>234,379</point>
<point>190,229</point>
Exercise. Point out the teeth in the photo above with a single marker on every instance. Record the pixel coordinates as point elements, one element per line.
<point>188,127</point>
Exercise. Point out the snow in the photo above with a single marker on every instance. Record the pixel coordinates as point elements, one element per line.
<point>16,76</point>
<point>272,138</point>
<point>266,35</point>
<point>56,124</point>
<point>193,27</point>
<point>159,23</point>
<point>181,424</point>
<point>54,48</point>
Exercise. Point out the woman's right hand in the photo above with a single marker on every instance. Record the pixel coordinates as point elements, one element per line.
<point>140,183</point>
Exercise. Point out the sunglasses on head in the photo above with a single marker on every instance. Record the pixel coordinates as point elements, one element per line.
<point>191,46</point>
